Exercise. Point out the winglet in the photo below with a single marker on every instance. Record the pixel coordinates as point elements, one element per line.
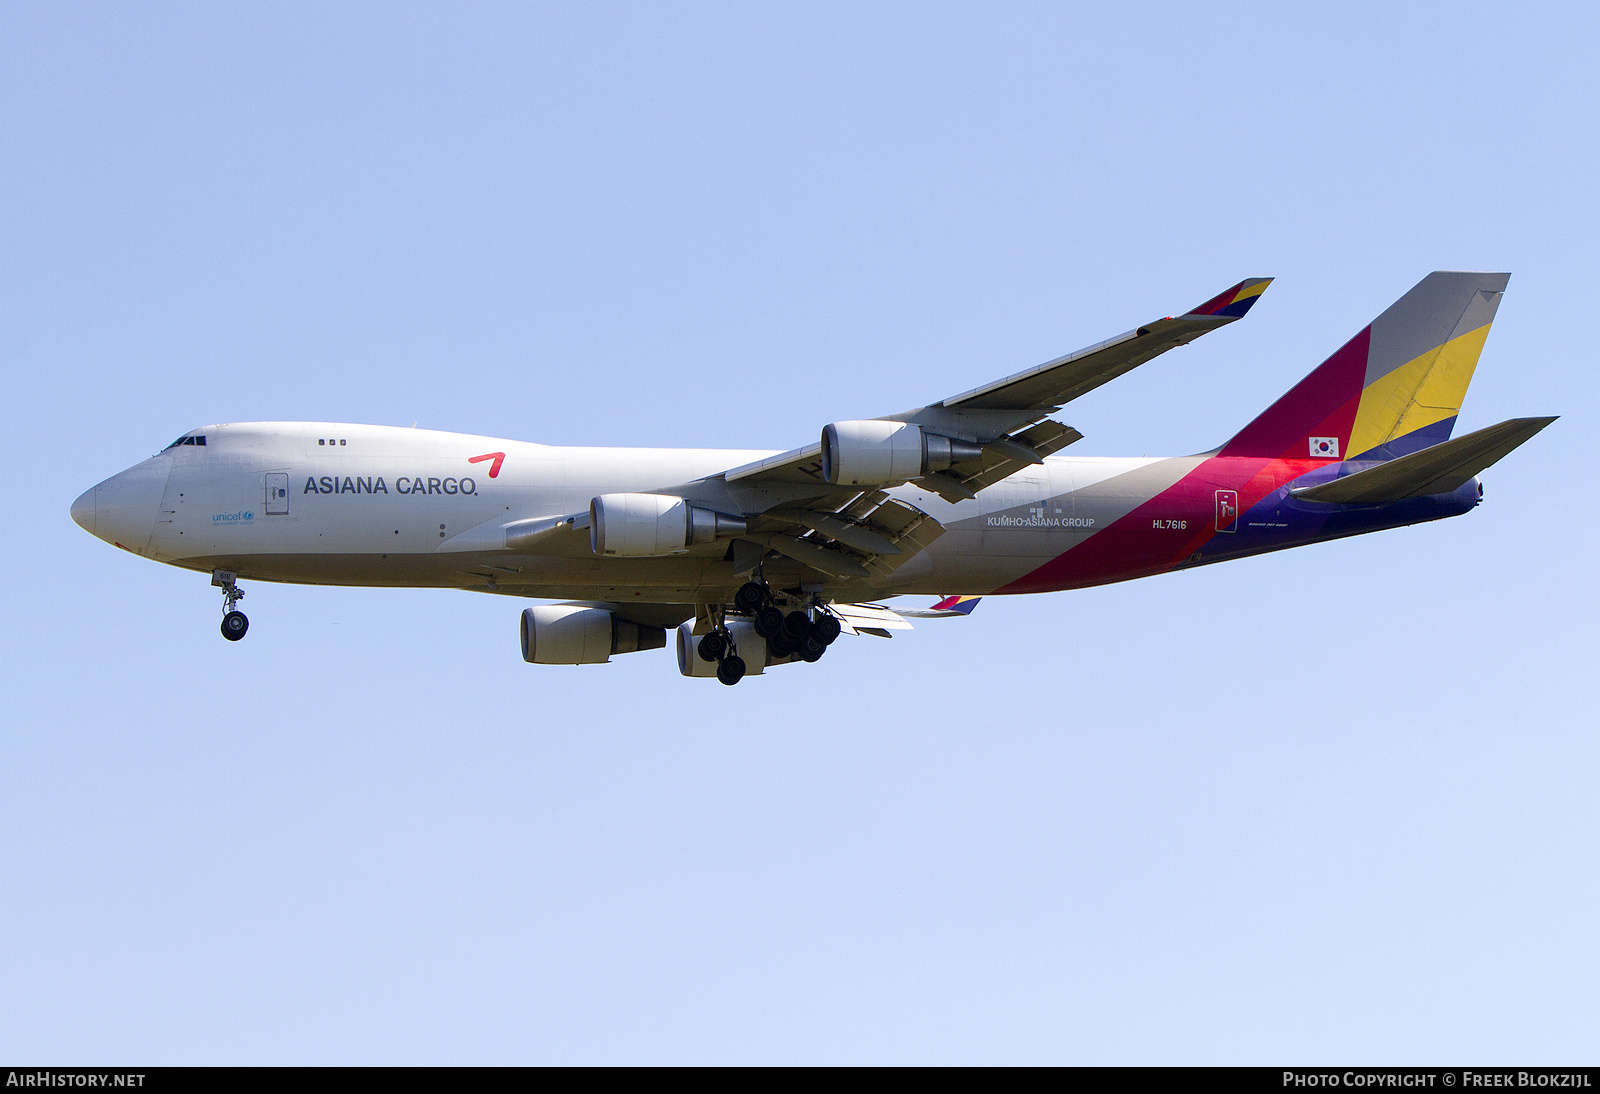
<point>947,607</point>
<point>1234,302</point>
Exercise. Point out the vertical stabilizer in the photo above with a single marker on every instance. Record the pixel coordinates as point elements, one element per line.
<point>1394,388</point>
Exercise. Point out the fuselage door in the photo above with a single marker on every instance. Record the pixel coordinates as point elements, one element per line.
<point>1227,510</point>
<point>277,493</point>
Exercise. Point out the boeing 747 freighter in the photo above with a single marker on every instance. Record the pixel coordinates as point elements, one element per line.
<point>759,559</point>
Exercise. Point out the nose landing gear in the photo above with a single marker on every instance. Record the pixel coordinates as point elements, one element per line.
<point>234,623</point>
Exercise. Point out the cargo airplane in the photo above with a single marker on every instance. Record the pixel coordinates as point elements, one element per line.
<point>758,559</point>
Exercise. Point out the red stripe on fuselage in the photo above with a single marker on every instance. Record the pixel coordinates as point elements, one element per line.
<point>1144,542</point>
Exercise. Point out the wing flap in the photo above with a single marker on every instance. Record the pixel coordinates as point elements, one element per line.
<point>818,557</point>
<point>858,536</point>
<point>912,531</point>
<point>872,537</point>
<point>1012,454</point>
<point>872,619</point>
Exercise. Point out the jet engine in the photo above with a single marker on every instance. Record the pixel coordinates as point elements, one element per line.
<point>752,649</point>
<point>570,634</point>
<point>877,453</point>
<point>646,525</point>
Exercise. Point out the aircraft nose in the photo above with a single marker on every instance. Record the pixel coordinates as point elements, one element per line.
<point>83,510</point>
<point>122,510</point>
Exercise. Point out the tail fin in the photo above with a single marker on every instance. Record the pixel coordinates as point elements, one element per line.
<point>1394,388</point>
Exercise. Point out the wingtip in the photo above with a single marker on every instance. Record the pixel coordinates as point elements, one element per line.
<point>1234,302</point>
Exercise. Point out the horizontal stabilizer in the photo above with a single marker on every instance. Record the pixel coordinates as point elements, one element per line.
<point>1437,470</point>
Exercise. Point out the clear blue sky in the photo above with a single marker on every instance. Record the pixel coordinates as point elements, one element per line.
<point>1336,804</point>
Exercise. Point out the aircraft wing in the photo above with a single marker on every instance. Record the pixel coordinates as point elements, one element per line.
<point>878,620</point>
<point>873,619</point>
<point>844,523</point>
<point>947,607</point>
<point>856,530</point>
<point>864,534</point>
<point>1050,386</point>
<point>1008,418</point>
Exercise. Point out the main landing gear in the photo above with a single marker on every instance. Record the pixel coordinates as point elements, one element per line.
<point>718,646</point>
<point>234,623</point>
<point>804,632</point>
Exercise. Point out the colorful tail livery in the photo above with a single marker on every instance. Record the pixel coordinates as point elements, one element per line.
<point>1237,300</point>
<point>1361,444</point>
<point>1394,388</point>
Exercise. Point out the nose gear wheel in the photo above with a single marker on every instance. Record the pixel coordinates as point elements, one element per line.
<point>234,623</point>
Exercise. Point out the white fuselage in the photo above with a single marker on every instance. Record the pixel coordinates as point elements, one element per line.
<point>377,505</point>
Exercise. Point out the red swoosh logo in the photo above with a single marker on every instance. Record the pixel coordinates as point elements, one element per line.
<point>494,468</point>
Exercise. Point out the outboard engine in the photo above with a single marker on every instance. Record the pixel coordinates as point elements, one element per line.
<point>874,453</point>
<point>570,634</point>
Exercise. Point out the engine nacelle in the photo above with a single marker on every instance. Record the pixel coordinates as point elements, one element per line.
<point>570,634</point>
<point>876,453</point>
<point>648,525</point>
<point>750,646</point>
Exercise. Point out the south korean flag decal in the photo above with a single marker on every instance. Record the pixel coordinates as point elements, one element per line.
<point>1325,448</point>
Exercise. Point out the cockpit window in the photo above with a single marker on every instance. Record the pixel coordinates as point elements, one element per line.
<point>200,440</point>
